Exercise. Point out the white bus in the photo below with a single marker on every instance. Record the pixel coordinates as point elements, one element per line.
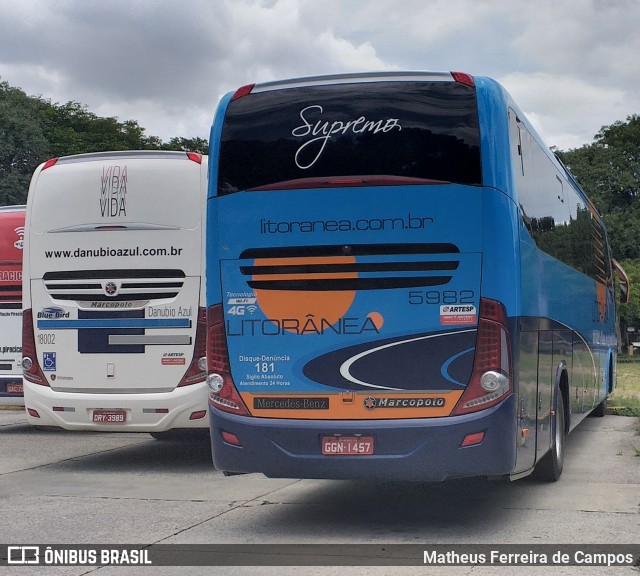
<point>11,239</point>
<point>113,287</point>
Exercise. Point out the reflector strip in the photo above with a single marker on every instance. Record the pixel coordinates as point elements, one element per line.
<point>230,438</point>
<point>169,340</point>
<point>120,323</point>
<point>473,439</point>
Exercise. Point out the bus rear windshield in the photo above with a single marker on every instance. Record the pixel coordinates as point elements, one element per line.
<point>351,134</point>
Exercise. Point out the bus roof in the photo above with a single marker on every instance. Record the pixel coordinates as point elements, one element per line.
<point>398,76</point>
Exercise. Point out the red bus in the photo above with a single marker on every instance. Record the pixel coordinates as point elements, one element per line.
<point>11,240</point>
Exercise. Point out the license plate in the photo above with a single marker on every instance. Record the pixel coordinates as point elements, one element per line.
<point>14,389</point>
<point>109,416</point>
<point>347,445</point>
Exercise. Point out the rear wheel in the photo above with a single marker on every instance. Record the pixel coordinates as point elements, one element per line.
<point>550,466</point>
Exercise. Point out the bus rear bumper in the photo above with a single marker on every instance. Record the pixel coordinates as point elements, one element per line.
<point>143,412</point>
<point>417,449</point>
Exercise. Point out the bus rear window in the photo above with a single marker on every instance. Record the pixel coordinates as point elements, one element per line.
<point>373,133</point>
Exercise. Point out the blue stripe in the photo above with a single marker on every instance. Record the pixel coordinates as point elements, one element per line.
<point>444,370</point>
<point>117,323</point>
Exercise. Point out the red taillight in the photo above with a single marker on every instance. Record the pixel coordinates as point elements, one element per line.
<point>464,78</point>
<point>33,373</point>
<point>49,163</point>
<point>226,398</point>
<point>196,372</point>
<point>195,157</point>
<point>243,91</point>
<point>490,381</point>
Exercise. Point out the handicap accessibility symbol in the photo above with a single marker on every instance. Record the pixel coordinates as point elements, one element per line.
<point>49,361</point>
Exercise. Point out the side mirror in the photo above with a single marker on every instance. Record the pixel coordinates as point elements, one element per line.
<point>623,279</point>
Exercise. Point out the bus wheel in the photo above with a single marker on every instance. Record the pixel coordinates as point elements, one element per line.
<point>550,466</point>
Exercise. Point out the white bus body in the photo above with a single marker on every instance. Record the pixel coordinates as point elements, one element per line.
<point>114,317</point>
<point>11,240</point>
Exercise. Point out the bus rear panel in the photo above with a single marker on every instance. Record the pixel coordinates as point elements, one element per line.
<point>114,323</point>
<point>365,280</point>
<point>351,289</point>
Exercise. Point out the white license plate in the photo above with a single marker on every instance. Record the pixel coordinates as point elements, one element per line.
<point>109,416</point>
<point>347,445</point>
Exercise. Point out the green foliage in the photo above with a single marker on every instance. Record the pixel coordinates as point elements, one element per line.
<point>71,129</point>
<point>609,168</point>
<point>33,130</point>
<point>199,145</point>
<point>22,143</point>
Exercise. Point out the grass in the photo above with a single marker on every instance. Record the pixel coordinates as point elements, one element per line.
<point>625,400</point>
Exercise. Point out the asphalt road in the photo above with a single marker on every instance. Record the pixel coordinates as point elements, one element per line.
<point>59,487</point>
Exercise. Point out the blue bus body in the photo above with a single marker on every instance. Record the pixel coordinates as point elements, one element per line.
<point>452,318</point>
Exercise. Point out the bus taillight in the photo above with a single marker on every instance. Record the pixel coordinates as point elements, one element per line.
<point>222,392</point>
<point>197,370</point>
<point>49,163</point>
<point>242,91</point>
<point>464,78</point>
<point>195,157</point>
<point>30,366</point>
<point>491,377</point>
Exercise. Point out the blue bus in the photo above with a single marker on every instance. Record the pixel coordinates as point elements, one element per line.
<point>403,283</point>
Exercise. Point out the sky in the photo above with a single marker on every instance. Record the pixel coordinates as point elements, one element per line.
<point>572,66</point>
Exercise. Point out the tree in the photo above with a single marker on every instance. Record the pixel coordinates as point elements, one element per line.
<point>23,144</point>
<point>199,145</point>
<point>71,129</point>
<point>609,168</point>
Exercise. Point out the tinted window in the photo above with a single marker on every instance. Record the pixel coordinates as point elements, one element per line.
<point>421,130</point>
<point>558,218</point>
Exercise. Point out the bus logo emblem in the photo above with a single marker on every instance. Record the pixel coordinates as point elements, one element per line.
<point>20,243</point>
<point>110,288</point>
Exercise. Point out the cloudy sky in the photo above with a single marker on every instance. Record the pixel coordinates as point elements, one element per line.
<point>572,65</point>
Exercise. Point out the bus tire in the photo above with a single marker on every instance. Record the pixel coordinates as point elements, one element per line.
<point>549,469</point>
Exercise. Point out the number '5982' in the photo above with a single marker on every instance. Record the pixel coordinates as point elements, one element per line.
<point>418,297</point>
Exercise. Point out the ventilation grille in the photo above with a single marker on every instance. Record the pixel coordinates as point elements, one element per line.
<point>335,268</point>
<point>114,285</point>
